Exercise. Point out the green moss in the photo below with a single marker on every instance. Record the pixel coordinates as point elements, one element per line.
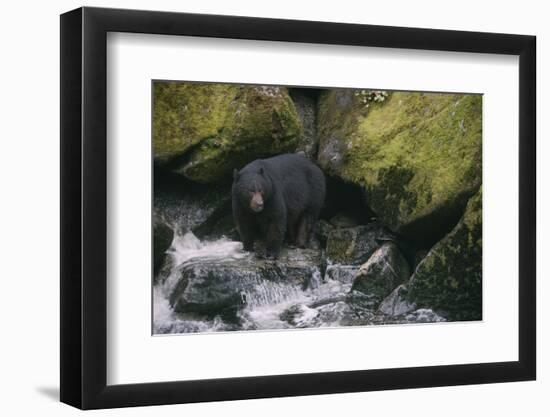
<point>449,277</point>
<point>414,153</point>
<point>185,114</point>
<point>353,245</point>
<point>261,123</point>
<point>203,131</point>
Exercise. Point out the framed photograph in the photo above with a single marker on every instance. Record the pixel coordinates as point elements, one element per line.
<point>257,208</point>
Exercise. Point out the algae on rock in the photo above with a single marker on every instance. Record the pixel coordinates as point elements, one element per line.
<point>185,114</point>
<point>354,245</point>
<point>417,155</point>
<point>449,277</point>
<point>204,131</point>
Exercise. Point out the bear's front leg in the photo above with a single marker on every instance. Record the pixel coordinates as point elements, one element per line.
<point>274,239</point>
<point>247,233</point>
<point>248,245</point>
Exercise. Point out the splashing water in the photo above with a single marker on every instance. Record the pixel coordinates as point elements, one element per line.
<point>267,303</point>
<point>187,249</point>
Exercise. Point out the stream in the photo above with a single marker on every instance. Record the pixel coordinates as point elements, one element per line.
<point>230,290</point>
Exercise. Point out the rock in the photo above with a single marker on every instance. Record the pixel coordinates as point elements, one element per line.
<point>417,155</point>
<point>353,245</point>
<point>385,270</point>
<point>396,304</point>
<point>449,277</point>
<point>223,286</point>
<point>322,231</point>
<point>424,315</point>
<point>344,219</point>
<point>184,114</point>
<point>333,114</point>
<point>217,226</point>
<point>195,207</point>
<point>162,239</point>
<point>300,316</point>
<point>204,131</point>
<point>419,255</point>
<point>305,103</point>
<point>341,273</point>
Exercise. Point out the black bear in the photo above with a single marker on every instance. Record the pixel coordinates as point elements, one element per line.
<point>276,198</point>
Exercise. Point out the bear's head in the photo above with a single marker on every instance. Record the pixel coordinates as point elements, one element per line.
<point>253,189</point>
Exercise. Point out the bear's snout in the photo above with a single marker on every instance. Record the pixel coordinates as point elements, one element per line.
<point>257,202</point>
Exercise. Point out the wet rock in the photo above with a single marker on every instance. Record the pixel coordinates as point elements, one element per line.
<point>417,156</point>
<point>354,245</point>
<point>204,131</point>
<point>396,304</point>
<point>162,239</point>
<point>223,286</point>
<point>385,270</point>
<point>328,314</point>
<point>449,277</point>
<point>424,315</point>
<point>300,316</point>
<point>341,273</point>
<point>195,207</point>
<point>216,227</point>
<point>322,231</point>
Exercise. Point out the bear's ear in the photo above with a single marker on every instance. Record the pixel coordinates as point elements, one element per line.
<point>235,174</point>
<point>261,170</point>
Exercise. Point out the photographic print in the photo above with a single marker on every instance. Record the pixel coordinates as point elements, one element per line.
<point>279,207</point>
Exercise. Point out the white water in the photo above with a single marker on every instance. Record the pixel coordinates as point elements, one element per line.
<point>269,305</point>
<point>185,249</point>
<point>264,305</point>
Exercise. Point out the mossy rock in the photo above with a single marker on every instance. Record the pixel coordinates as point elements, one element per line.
<point>449,277</point>
<point>354,245</point>
<point>203,131</point>
<point>185,114</point>
<point>417,155</point>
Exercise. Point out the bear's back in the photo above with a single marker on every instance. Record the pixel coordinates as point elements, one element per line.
<point>291,165</point>
<point>302,182</point>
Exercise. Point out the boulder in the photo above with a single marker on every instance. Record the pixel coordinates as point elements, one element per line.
<point>382,273</point>
<point>204,131</point>
<point>423,315</point>
<point>396,304</point>
<point>162,239</point>
<point>222,286</point>
<point>305,103</point>
<point>341,273</point>
<point>344,219</point>
<point>322,231</point>
<point>220,224</point>
<point>354,245</point>
<point>184,114</point>
<point>449,277</point>
<point>417,155</point>
<point>195,207</point>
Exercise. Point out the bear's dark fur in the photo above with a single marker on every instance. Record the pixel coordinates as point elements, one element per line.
<point>276,198</point>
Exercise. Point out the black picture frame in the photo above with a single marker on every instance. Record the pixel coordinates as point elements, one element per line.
<point>84,209</point>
